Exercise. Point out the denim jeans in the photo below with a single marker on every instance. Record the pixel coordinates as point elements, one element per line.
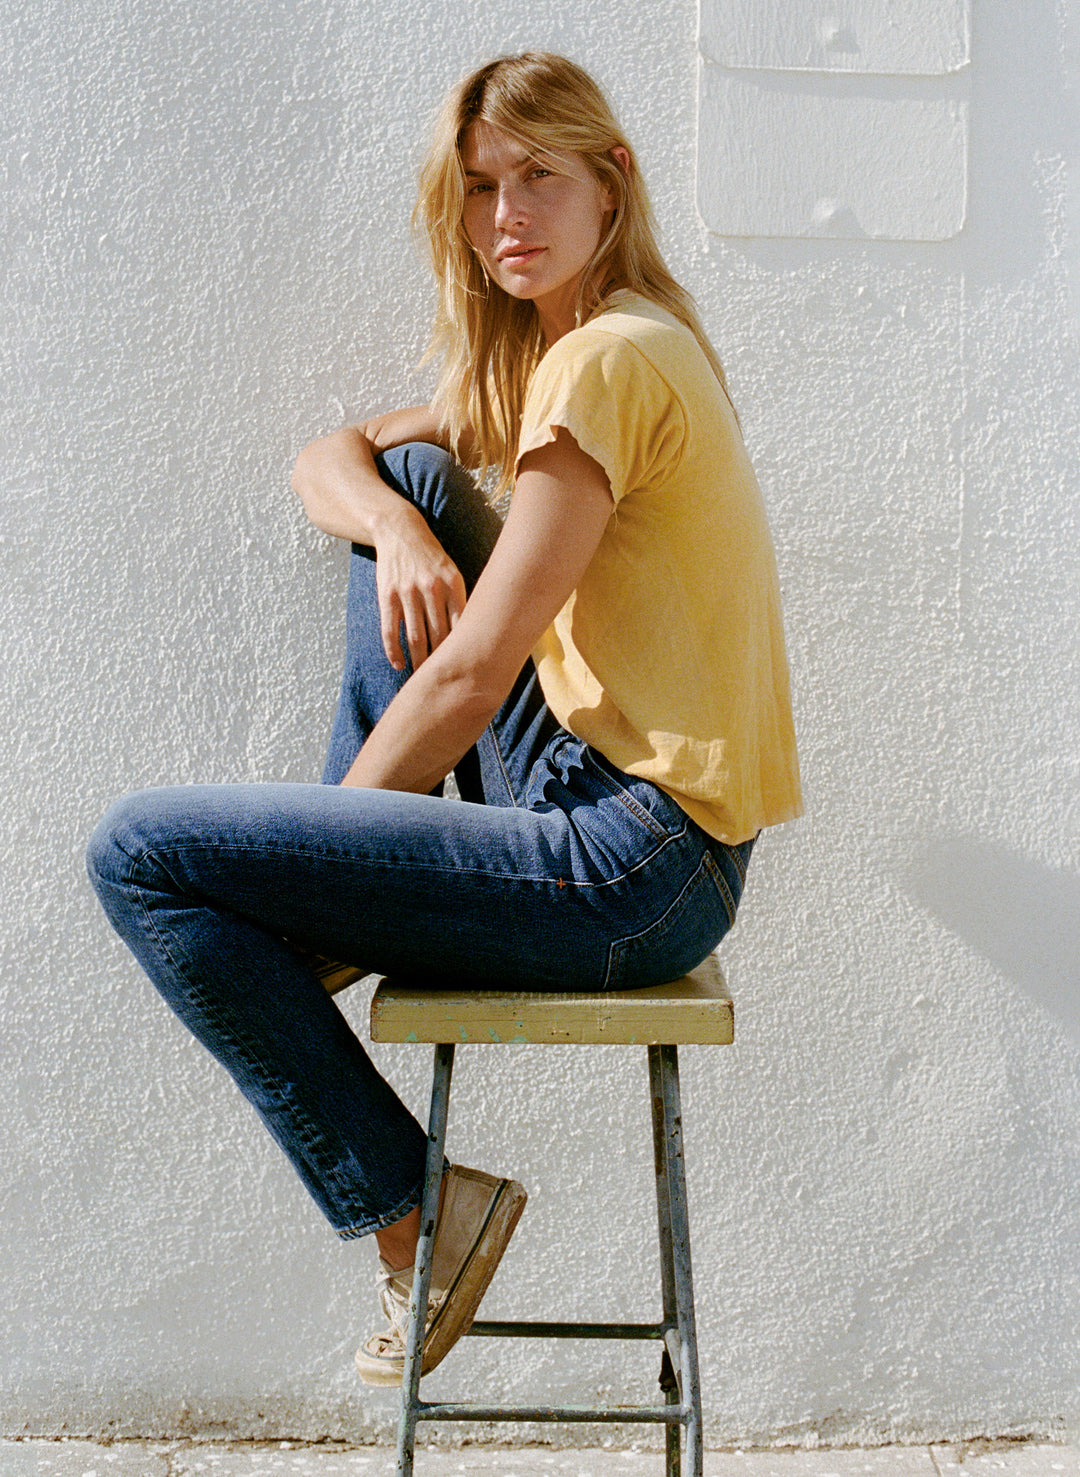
<point>554,871</point>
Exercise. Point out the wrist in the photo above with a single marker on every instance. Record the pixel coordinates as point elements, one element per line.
<point>394,520</point>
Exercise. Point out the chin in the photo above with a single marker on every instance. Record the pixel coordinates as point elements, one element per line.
<point>522,294</point>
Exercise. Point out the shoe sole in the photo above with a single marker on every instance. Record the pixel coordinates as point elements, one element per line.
<point>331,974</point>
<point>460,1305</point>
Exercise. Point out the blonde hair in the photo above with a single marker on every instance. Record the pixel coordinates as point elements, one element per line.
<point>490,342</point>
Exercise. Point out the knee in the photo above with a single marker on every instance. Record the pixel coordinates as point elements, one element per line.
<point>424,474</point>
<point>456,509</point>
<point>117,844</point>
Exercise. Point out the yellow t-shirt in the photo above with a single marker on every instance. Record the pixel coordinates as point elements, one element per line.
<point>669,656</point>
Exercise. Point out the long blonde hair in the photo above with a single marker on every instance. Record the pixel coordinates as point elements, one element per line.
<point>490,342</point>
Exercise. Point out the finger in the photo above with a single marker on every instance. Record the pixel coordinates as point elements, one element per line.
<point>456,603</point>
<point>438,619</point>
<point>445,603</point>
<point>390,626</point>
<point>416,630</point>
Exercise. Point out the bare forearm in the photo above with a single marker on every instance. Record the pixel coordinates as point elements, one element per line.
<point>342,491</point>
<point>433,720</point>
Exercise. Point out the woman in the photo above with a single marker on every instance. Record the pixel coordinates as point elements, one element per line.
<point>604,674</point>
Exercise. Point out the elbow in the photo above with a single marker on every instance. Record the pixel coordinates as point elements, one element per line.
<point>301,475</point>
<point>474,687</point>
<point>475,698</point>
<point>309,483</point>
<point>318,472</point>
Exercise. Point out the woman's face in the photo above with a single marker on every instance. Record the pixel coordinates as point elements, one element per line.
<point>534,223</point>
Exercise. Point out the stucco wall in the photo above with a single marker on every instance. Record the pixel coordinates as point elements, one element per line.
<point>206,264</point>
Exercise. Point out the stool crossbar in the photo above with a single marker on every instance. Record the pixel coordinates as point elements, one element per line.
<point>696,1009</point>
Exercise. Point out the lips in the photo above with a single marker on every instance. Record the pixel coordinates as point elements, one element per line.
<point>517,253</point>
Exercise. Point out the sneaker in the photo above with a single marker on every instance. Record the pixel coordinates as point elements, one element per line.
<point>476,1220</point>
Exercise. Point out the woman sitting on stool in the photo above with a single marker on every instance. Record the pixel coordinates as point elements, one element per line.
<point>604,674</point>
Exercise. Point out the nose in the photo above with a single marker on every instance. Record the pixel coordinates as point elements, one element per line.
<point>509,207</point>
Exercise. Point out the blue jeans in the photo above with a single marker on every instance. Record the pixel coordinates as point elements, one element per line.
<point>554,871</point>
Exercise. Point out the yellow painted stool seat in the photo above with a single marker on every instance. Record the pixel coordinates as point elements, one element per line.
<point>694,1010</point>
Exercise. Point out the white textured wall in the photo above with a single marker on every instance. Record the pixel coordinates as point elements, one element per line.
<point>206,263</point>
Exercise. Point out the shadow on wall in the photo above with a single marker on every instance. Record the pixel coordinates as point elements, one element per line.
<point>1021,916</point>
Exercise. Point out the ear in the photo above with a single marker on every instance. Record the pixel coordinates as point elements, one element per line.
<point>622,159</point>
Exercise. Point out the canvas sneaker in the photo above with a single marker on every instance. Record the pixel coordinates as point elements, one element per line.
<point>476,1220</point>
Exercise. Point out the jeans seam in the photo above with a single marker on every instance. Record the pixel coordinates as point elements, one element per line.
<point>718,877</point>
<point>663,925</point>
<point>736,856</point>
<point>381,863</point>
<point>633,806</point>
<point>502,766</point>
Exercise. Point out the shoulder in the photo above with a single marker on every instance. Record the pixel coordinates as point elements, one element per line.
<point>658,336</point>
<point>634,343</point>
<point>602,382</point>
<point>620,350</point>
<point>630,320</point>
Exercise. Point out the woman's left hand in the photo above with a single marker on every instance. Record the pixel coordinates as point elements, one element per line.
<point>419,587</point>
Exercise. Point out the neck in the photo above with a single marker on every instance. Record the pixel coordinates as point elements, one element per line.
<point>558,318</point>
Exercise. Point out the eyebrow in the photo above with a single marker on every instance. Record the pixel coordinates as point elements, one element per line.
<point>515,163</point>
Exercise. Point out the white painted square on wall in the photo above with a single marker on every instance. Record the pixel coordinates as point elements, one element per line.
<point>833,119</point>
<point>780,161</point>
<point>924,37</point>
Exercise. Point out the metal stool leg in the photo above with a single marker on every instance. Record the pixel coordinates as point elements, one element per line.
<point>668,1381</point>
<point>680,1234</point>
<point>679,1368</point>
<point>429,1209</point>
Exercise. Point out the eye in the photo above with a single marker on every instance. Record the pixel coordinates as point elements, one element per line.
<point>478,188</point>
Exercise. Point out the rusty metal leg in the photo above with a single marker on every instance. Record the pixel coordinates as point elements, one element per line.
<point>689,1383</point>
<point>668,1380</point>
<point>429,1209</point>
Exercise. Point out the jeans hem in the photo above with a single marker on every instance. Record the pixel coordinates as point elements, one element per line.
<point>353,1233</point>
<point>380,1223</point>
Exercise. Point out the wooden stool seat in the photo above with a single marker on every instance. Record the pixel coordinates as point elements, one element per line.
<point>695,1009</point>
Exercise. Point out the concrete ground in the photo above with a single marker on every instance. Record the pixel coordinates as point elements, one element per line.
<point>294,1459</point>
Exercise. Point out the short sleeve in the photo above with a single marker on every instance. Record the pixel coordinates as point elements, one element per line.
<point>617,406</point>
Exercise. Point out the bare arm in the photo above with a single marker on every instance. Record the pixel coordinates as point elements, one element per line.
<point>344,495</point>
<point>560,508</point>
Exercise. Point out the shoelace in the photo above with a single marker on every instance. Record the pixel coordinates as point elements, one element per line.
<point>396,1308</point>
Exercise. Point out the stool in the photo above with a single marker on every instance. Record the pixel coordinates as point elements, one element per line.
<point>695,1009</point>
